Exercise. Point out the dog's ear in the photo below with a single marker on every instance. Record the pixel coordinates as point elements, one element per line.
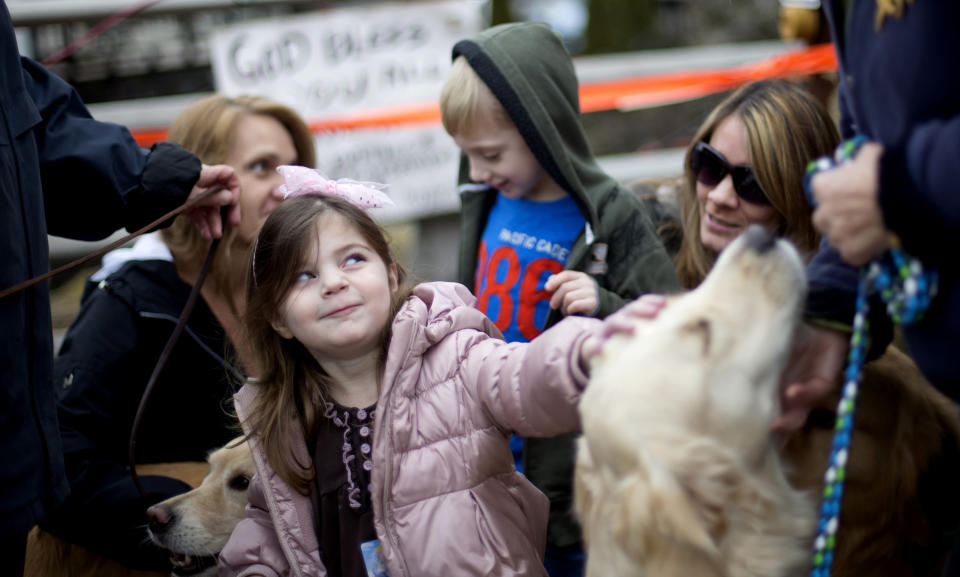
<point>710,475</point>
<point>676,541</point>
<point>676,509</point>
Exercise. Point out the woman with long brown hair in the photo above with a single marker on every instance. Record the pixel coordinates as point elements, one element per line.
<point>128,311</point>
<point>745,165</point>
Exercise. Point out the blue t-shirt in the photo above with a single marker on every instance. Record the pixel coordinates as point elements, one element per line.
<point>523,244</point>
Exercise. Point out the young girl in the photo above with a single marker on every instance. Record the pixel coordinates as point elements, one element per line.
<point>381,417</point>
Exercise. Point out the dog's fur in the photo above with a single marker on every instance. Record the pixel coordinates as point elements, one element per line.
<point>198,522</point>
<point>195,526</point>
<point>900,503</point>
<point>676,472</point>
<point>900,507</point>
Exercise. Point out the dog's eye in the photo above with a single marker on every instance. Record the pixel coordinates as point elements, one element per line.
<point>239,483</point>
<point>822,418</point>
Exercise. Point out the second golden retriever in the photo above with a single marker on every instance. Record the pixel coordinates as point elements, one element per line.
<point>195,526</point>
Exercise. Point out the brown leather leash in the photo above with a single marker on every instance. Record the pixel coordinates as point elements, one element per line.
<point>162,362</point>
<point>85,259</point>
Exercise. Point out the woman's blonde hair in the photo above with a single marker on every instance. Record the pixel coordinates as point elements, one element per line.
<point>466,100</point>
<point>786,128</point>
<point>207,128</point>
<point>291,382</point>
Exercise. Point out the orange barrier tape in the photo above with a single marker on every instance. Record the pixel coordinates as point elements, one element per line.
<point>677,86</point>
<point>637,92</point>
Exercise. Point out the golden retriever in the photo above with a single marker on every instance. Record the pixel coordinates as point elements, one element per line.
<point>901,507</point>
<point>195,524</point>
<point>677,473</point>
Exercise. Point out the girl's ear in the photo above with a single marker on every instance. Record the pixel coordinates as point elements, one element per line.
<point>281,329</point>
<point>392,275</point>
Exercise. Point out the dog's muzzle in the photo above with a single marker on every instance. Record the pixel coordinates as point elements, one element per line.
<point>758,239</point>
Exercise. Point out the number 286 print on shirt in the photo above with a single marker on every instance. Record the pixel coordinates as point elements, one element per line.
<point>511,295</point>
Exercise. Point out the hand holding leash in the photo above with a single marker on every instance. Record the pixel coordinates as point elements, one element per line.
<point>223,186</point>
<point>844,193</point>
<point>218,186</point>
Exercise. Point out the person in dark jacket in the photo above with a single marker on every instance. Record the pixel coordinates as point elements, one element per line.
<point>900,87</point>
<point>64,173</point>
<point>129,310</point>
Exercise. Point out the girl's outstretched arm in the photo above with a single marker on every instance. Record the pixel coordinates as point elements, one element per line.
<point>531,388</point>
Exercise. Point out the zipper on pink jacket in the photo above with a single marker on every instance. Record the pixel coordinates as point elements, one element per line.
<point>271,498</point>
<point>381,429</point>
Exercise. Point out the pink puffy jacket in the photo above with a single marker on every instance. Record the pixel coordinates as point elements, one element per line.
<point>446,497</point>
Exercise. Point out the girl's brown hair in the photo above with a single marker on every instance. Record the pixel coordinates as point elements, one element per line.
<point>786,129</point>
<point>206,128</point>
<point>291,382</point>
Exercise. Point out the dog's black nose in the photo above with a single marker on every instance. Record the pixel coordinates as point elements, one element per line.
<point>759,239</point>
<point>159,519</point>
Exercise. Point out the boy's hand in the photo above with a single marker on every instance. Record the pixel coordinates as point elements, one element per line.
<point>574,293</point>
<point>206,214</point>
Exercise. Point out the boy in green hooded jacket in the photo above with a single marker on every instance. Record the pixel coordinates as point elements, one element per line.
<point>545,232</point>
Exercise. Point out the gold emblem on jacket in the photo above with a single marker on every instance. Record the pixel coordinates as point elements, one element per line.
<point>889,8</point>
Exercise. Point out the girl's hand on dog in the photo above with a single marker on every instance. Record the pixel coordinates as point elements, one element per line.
<point>624,321</point>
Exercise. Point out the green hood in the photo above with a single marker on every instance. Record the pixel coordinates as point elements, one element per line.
<point>527,68</point>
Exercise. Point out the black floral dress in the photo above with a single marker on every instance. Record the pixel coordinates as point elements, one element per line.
<point>342,456</point>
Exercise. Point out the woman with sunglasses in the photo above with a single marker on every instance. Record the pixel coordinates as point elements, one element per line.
<point>745,166</point>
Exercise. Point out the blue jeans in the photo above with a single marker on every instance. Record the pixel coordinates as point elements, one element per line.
<point>567,561</point>
<point>516,447</point>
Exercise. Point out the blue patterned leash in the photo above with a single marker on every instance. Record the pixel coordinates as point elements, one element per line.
<point>907,290</point>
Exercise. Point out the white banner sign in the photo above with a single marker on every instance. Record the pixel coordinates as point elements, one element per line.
<point>347,60</point>
<point>419,164</point>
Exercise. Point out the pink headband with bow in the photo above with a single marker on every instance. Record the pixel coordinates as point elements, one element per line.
<point>301,181</point>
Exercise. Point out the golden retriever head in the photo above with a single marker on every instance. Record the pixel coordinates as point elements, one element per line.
<point>676,470</point>
<point>195,526</point>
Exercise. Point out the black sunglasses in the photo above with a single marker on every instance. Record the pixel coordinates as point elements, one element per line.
<point>710,167</point>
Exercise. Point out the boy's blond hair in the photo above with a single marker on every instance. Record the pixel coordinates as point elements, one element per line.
<point>466,100</point>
